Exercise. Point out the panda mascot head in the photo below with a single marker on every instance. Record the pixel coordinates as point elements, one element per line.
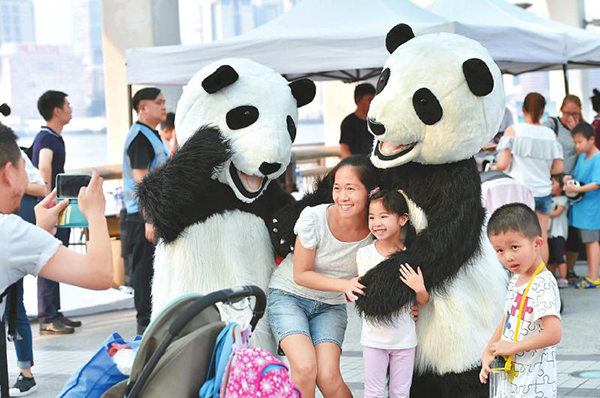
<point>434,112</point>
<point>255,109</point>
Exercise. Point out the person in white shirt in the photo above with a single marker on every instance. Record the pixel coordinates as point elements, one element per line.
<point>28,249</point>
<point>392,345</point>
<point>530,153</point>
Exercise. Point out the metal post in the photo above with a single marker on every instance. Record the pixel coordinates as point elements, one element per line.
<point>129,104</point>
<point>566,79</point>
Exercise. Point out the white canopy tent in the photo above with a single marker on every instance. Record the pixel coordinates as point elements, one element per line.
<point>323,39</point>
<point>581,47</point>
<point>344,39</point>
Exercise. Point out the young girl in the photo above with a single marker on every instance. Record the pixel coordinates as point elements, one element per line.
<point>307,293</point>
<point>557,230</point>
<point>395,344</point>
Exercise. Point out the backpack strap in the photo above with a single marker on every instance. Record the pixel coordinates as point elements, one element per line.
<point>4,388</point>
<point>12,310</point>
<point>555,121</point>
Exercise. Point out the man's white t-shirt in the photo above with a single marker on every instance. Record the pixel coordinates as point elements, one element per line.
<point>402,334</point>
<point>33,174</point>
<point>24,250</point>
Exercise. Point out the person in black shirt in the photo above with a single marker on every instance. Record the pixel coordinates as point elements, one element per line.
<point>144,151</point>
<point>355,138</point>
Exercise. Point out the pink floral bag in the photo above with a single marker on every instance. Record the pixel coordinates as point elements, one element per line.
<point>254,372</point>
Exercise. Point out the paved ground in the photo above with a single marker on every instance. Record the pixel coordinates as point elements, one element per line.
<point>57,357</point>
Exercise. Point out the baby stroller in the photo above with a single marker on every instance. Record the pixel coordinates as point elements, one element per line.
<point>175,352</point>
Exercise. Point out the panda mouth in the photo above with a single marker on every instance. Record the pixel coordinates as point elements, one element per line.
<point>386,151</point>
<point>250,186</point>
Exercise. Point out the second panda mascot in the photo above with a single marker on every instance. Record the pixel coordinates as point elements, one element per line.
<point>439,100</point>
<point>235,124</point>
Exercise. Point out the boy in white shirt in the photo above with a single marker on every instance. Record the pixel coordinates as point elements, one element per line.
<point>531,326</point>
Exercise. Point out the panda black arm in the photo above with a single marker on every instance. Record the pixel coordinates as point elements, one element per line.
<point>169,194</point>
<point>450,196</point>
<point>281,224</point>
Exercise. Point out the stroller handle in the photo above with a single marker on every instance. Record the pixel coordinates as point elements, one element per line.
<point>228,296</point>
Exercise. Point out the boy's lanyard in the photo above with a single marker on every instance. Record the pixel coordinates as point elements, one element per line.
<point>509,367</point>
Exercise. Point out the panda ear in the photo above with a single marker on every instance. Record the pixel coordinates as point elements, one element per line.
<point>479,78</point>
<point>224,76</point>
<point>303,90</point>
<point>397,36</point>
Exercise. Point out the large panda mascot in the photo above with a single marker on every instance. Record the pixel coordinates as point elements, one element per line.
<point>439,100</point>
<point>235,123</point>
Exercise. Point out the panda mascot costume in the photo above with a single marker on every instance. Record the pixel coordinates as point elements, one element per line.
<point>439,100</point>
<point>235,122</point>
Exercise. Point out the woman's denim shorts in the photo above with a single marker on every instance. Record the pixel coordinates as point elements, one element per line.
<point>291,314</point>
<point>543,204</point>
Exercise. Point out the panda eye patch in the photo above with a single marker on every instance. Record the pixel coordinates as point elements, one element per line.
<point>291,126</point>
<point>427,106</point>
<point>242,116</point>
<point>383,80</point>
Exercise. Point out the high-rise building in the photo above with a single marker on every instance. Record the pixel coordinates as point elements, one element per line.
<point>204,21</point>
<point>17,21</point>
<point>87,29</point>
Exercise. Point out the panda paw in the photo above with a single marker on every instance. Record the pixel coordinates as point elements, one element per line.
<point>385,294</point>
<point>281,230</point>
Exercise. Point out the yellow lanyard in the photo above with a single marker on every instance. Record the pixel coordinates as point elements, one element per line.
<point>509,367</point>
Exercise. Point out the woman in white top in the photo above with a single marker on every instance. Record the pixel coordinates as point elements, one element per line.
<point>530,153</point>
<point>307,292</point>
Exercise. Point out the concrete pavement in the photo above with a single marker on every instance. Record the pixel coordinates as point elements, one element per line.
<point>57,357</point>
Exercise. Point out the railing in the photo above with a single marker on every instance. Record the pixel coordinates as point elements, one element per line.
<point>311,158</point>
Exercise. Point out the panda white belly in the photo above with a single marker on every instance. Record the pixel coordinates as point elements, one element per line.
<point>453,328</point>
<point>226,250</point>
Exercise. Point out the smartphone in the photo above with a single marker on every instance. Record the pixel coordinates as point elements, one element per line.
<point>68,185</point>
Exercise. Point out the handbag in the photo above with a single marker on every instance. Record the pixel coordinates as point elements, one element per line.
<point>100,373</point>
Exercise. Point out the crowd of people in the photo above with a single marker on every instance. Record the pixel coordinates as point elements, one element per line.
<point>336,243</point>
<point>549,158</point>
<point>32,177</point>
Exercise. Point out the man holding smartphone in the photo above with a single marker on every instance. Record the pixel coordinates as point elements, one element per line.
<point>49,157</point>
<point>29,249</point>
<point>144,151</point>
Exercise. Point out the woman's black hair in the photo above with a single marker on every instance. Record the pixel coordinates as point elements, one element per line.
<point>596,100</point>
<point>394,202</point>
<point>367,173</point>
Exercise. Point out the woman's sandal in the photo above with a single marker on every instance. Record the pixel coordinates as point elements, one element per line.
<point>587,283</point>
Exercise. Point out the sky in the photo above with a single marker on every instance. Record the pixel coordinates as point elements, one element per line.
<point>54,26</point>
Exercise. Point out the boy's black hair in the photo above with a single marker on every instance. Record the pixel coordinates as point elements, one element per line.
<point>363,89</point>
<point>596,100</point>
<point>367,173</point>
<point>9,150</point>
<point>559,178</point>
<point>148,93</point>
<point>48,101</point>
<point>394,202</point>
<point>583,128</point>
<point>169,122</point>
<point>514,217</point>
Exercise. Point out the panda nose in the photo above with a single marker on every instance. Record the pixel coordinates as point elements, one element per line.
<point>375,127</point>
<point>269,168</point>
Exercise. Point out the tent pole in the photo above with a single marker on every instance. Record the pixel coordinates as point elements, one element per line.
<point>566,79</point>
<point>129,104</point>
